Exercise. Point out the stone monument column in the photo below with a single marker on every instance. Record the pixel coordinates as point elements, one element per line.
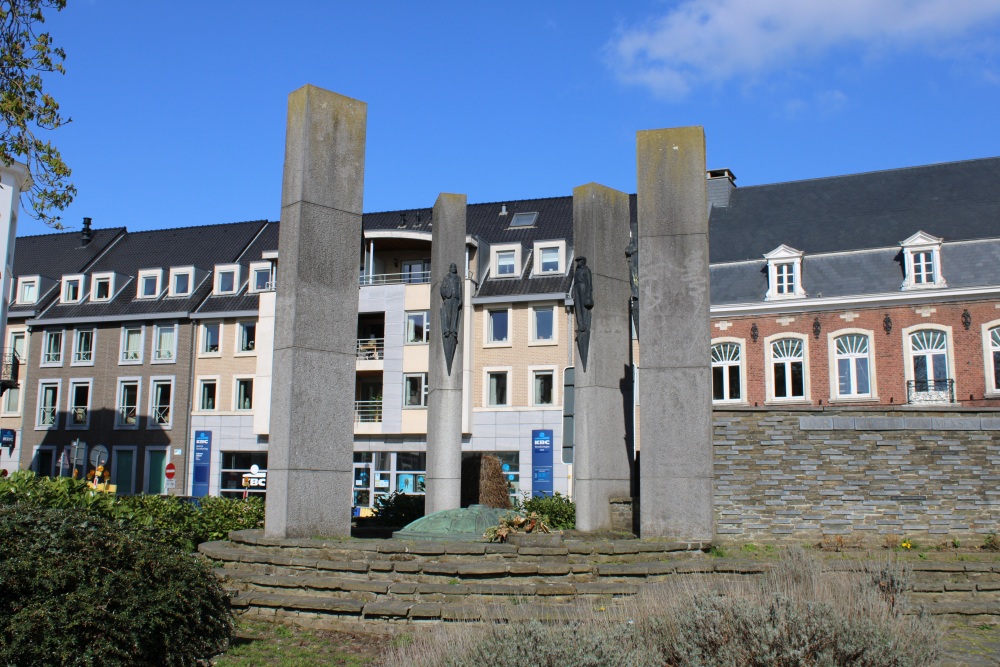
<point>675,414</point>
<point>445,371</point>
<point>311,448</point>
<point>603,449</point>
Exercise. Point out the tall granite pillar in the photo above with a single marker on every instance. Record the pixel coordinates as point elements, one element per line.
<point>603,394</point>
<point>444,401</point>
<point>310,453</point>
<point>675,372</point>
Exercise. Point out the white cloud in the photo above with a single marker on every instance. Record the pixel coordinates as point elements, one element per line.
<point>700,42</point>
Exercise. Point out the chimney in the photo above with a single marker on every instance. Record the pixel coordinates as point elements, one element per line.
<point>721,183</point>
<point>86,235</point>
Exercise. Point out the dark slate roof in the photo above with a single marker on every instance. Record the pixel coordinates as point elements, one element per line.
<point>202,247</point>
<point>954,201</point>
<point>54,256</point>
<point>963,265</point>
<point>243,301</point>
<point>57,255</point>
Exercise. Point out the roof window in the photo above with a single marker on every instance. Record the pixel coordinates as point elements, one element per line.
<point>523,219</point>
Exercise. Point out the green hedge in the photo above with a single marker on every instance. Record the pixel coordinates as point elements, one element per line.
<point>176,521</point>
<point>557,511</point>
<point>80,589</point>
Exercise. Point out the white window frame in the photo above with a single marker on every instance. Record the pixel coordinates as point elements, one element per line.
<point>151,419</point>
<point>556,375</point>
<point>784,255</point>
<point>22,281</point>
<point>23,358</point>
<point>80,280</point>
<point>201,380</point>
<point>495,263</point>
<point>45,346</point>
<point>122,360</point>
<point>145,467</point>
<point>532,329</point>
<point>741,344</point>
<point>156,338</point>
<point>114,465</point>
<point>406,327</point>
<point>225,268</point>
<point>988,349</point>
<point>487,371</point>
<point>99,278</point>
<point>949,353</point>
<point>256,267</point>
<point>176,271</point>
<point>120,423</point>
<point>425,389</point>
<point>149,273</point>
<point>236,392</point>
<point>73,383</point>
<point>237,352</point>
<point>835,395</point>
<point>42,384</point>
<point>76,347</point>
<point>769,369</point>
<point>202,330</point>
<point>488,329</point>
<point>560,246</point>
<point>921,242</point>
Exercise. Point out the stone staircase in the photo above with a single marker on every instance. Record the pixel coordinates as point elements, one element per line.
<point>327,582</point>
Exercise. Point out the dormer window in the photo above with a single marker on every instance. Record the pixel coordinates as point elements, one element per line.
<point>27,290</point>
<point>784,274</point>
<point>506,261</point>
<point>149,284</point>
<point>524,219</point>
<point>550,257</point>
<point>922,262</point>
<point>261,277</point>
<point>101,286</point>
<point>72,291</point>
<point>227,278</point>
<point>181,281</point>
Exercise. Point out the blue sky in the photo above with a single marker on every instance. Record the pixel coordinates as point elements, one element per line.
<point>179,108</point>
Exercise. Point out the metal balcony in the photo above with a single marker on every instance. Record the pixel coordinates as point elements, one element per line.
<point>370,349</point>
<point>928,392</point>
<point>411,278</point>
<point>10,371</point>
<point>367,412</point>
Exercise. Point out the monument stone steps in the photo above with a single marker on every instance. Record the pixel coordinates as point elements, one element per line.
<point>324,583</point>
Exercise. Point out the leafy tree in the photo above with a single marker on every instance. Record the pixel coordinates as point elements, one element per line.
<point>25,107</point>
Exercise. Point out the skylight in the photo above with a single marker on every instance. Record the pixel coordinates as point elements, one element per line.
<point>523,219</point>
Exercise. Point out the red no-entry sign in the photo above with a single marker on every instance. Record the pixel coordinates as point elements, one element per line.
<point>170,471</point>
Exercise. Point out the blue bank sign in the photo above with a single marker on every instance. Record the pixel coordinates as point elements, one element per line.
<point>202,468</point>
<point>541,462</point>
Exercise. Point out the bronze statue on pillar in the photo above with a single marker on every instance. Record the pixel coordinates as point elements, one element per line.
<point>632,252</point>
<point>583,302</point>
<point>451,309</point>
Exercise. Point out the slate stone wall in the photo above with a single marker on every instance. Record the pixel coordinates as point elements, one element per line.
<point>808,475</point>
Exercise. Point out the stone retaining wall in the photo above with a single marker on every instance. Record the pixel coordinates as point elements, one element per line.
<point>808,475</point>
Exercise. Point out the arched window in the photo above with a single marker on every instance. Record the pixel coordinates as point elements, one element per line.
<point>726,372</point>
<point>929,354</point>
<point>853,365</point>
<point>787,363</point>
<point>994,352</point>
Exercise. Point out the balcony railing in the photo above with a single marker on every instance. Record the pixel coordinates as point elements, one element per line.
<point>367,412</point>
<point>930,391</point>
<point>126,416</point>
<point>410,278</point>
<point>9,371</point>
<point>371,348</point>
<point>161,414</point>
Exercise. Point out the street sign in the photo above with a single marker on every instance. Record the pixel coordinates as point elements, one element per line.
<point>98,456</point>
<point>170,471</point>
